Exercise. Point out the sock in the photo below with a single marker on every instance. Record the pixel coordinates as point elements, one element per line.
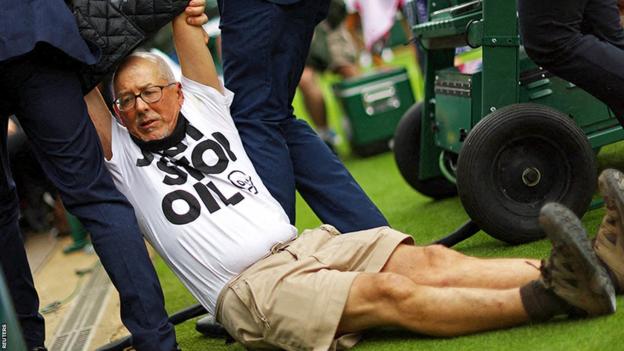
<point>540,303</point>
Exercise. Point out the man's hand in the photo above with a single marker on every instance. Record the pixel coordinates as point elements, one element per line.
<point>195,15</point>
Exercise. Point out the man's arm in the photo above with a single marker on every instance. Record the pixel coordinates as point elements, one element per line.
<point>195,59</point>
<point>101,118</point>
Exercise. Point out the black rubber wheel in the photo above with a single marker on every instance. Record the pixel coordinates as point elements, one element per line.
<point>517,159</point>
<point>407,156</point>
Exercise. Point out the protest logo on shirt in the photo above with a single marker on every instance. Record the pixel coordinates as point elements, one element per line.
<point>208,156</point>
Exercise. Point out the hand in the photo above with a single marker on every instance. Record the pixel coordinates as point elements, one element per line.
<point>195,15</point>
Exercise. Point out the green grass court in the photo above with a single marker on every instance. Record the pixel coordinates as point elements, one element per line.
<point>427,220</point>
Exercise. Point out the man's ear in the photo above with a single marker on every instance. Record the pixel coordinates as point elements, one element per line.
<point>118,115</point>
<point>180,94</point>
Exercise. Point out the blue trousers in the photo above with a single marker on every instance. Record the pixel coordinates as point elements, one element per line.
<point>581,41</point>
<point>48,102</point>
<point>264,47</point>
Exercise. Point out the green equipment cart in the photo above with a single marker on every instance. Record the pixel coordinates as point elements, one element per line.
<point>507,138</point>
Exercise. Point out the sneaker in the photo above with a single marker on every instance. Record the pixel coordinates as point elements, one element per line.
<point>573,272</point>
<point>609,243</point>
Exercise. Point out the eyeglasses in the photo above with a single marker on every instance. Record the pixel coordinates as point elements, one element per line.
<point>150,95</point>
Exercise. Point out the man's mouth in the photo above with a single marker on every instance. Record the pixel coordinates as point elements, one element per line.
<point>147,124</point>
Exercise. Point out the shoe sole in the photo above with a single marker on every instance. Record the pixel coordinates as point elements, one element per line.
<point>609,185</point>
<point>563,227</point>
<point>209,326</point>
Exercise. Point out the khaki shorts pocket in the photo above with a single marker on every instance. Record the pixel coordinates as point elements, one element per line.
<point>245,293</point>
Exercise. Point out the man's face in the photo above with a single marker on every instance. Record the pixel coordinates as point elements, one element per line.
<point>148,121</point>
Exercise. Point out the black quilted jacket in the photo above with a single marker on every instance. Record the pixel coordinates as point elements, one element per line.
<point>117,27</point>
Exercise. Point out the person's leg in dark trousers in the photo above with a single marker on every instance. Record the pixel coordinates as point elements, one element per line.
<point>12,255</point>
<point>581,41</point>
<point>264,50</point>
<point>330,191</point>
<point>48,102</point>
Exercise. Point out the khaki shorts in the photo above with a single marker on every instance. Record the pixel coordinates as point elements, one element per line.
<point>294,298</point>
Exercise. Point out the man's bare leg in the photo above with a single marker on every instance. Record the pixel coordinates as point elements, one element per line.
<point>388,299</point>
<point>572,280</point>
<point>436,265</point>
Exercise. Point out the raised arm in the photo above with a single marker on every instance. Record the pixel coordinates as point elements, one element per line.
<point>101,118</point>
<point>195,59</point>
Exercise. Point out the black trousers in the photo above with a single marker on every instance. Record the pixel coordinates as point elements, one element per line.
<point>265,46</point>
<point>581,41</point>
<point>47,99</point>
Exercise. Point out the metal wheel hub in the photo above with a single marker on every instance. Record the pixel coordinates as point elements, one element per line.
<point>531,176</point>
<point>529,172</point>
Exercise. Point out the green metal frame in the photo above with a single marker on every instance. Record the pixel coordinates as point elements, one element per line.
<point>493,26</point>
<point>500,55</point>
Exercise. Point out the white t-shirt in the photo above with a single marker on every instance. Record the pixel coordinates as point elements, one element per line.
<point>208,215</point>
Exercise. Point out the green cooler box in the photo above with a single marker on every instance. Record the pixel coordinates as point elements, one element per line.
<point>373,105</point>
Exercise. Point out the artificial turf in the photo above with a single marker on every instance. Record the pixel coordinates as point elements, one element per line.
<point>427,220</point>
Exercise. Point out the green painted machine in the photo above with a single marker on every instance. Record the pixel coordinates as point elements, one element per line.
<point>507,138</point>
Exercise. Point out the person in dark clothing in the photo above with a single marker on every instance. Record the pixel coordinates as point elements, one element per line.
<point>581,41</point>
<point>264,47</point>
<point>40,46</point>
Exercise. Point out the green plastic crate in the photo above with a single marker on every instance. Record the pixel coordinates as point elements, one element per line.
<point>374,104</point>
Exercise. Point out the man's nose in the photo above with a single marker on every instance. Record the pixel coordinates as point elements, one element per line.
<point>140,104</point>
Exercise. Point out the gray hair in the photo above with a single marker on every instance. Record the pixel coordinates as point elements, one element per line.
<point>164,71</point>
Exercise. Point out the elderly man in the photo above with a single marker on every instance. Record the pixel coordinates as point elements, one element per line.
<point>176,154</point>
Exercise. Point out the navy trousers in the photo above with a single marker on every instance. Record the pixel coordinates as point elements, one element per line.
<point>581,41</point>
<point>264,47</point>
<point>48,102</point>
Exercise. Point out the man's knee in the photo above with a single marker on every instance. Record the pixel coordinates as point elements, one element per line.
<point>438,256</point>
<point>392,287</point>
<point>424,261</point>
<point>397,298</point>
<point>547,43</point>
<point>375,299</point>
<point>537,48</point>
